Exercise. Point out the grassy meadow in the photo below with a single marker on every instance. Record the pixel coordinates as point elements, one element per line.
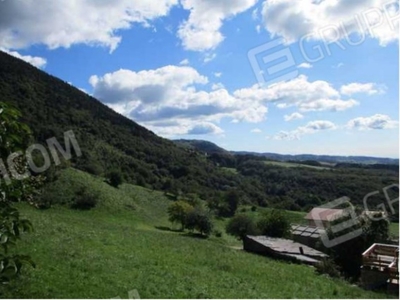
<point>124,244</point>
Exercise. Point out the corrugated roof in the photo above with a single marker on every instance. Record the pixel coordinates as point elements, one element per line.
<point>287,246</point>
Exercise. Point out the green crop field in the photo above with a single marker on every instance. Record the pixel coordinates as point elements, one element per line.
<point>294,165</point>
<point>124,244</point>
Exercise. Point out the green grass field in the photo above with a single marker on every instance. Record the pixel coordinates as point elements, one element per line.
<point>394,229</point>
<point>116,248</point>
<point>294,165</point>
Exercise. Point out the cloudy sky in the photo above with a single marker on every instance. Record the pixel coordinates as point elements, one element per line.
<point>309,76</point>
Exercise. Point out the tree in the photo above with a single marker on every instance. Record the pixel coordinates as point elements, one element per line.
<point>13,136</point>
<point>178,212</point>
<point>240,226</point>
<point>115,178</point>
<point>198,220</point>
<point>274,224</point>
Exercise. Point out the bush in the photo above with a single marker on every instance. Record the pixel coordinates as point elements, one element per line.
<point>178,212</point>
<point>114,178</point>
<point>254,208</point>
<point>217,233</point>
<point>328,267</point>
<point>274,224</point>
<point>200,221</point>
<point>240,226</point>
<point>85,199</point>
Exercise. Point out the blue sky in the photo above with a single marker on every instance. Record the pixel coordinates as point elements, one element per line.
<point>195,68</point>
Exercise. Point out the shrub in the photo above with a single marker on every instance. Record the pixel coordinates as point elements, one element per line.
<point>274,224</point>
<point>328,267</point>
<point>254,208</point>
<point>217,233</point>
<point>178,212</point>
<point>85,199</point>
<point>200,221</point>
<point>240,226</point>
<point>114,178</point>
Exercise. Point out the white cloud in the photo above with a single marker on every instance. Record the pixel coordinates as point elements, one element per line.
<point>217,86</point>
<point>376,122</point>
<point>202,29</point>
<point>209,57</point>
<point>184,62</point>
<point>293,117</point>
<point>332,19</point>
<point>69,22</point>
<point>310,128</point>
<point>299,92</point>
<point>305,66</point>
<point>256,130</point>
<point>218,74</point>
<point>360,88</point>
<point>38,62</point>
<point>205,128</point>
<point>153,97</point>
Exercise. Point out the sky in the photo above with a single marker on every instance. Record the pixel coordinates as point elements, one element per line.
<point>284,76</point>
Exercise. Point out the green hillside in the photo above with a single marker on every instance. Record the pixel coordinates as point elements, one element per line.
<point>116,248</point>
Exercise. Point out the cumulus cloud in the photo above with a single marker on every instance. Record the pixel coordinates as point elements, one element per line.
<point>68,22</point>
<point>38,62</point>
<point>360,88</point>
<point>205,128</point>
<point>299,92</point>
<point>332,19</point>
<point>171,94</point>
<point>376,122</point>
<point>310,128</point>
<point>293,117</point>
<point>202,29</point>
<point>185,62</point>
<point>256,130</point>
<point>305,66</point>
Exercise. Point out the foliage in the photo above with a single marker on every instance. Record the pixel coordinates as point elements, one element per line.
<point>197,219</point>
<point>85,199</point>
<point>327,266</point>
<point>240,226</point>
<point>178,212</point>
<point>274,223</point>
<point>13,136</point>
<point>115,178</point>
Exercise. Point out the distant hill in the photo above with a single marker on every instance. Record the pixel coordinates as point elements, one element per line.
<point>323,158</point>
<point>211,148</point>
<point>201,146</point>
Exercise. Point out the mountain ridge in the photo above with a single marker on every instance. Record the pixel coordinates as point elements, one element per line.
<point>209,147</point>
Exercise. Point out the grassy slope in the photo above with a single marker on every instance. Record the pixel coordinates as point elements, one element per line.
<point>115,248</point>
<point>294,165</point>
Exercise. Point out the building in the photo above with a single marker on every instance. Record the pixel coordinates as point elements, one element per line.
<point>308,235</point>
<point>283,249</point>
<point>322,217</point>
<point>380,267</point>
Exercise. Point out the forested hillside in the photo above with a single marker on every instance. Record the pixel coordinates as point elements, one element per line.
<point>109,141</point>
